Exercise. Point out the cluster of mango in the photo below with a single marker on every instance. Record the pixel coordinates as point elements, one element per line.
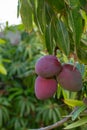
<point>51,72</point>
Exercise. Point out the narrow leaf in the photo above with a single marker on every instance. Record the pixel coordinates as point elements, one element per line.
<point>82,55</point>
<point>73,103</point>
<point>48,39</point>
<point>62,37</point>
<point>1,118</point>
<point>3,70</point>
<point>57,4</point>
<point>78,123</point>
<point>75,21</point>
<point>2,41</point>
<point>84,16</point>
<point>26,14</point>
<point>41,15</point>
<point>79,110</point>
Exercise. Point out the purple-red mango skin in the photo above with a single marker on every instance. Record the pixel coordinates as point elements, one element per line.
<point>70,78</point>
<point>48,66</point>
<point>45,88</point>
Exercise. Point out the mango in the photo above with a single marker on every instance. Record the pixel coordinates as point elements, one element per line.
<point>48,66</point>
<point>45,88</point>
<point>70,78</point>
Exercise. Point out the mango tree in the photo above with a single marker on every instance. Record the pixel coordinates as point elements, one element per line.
<point>62,26</point>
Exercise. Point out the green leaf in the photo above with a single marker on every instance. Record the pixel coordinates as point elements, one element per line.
<point>18,8</point>
<point>6,60</point>
<point>59,91</point>
<point>2,41</point>
<point>82,55</point>
<point>62,37</point>
<point>73,3</point>
<point>84,16</point>
<point>50,114</point>
<point>26,14</point>
<point>49,14</point>
<point>83,4</point>
<point>73,103</point>
<point>58,5</point>
<point>28,108</point>
<point>75,21</point>
<point>3,70</point>
<point>65,93</point>
<point>81,68</point>
<point>5,114</point>
<point>49,39</point>
<point>1,116</point>
<point>78,123</point>
<point>15,94</point>
<point>38,8</point>
<point>22,110</point>
<point>41,15</point>
<point>56,109</point>
<point>79,110</point>
<point>54,117</point>
<point>17,124</point>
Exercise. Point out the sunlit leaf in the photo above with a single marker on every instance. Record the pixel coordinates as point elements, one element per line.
<point>83,14</point>
<point>78,123</point>
<point>6,60</point>
<point>73,103</point>
<point>2,41</point>
<point>3,70</point>
<point>65,93</point>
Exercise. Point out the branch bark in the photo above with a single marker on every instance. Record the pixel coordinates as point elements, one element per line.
<point>59,123</point>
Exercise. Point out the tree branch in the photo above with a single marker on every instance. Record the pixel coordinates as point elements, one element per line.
<point>59,123</point>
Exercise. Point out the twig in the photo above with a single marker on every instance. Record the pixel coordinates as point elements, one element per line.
<point>59,123</point>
